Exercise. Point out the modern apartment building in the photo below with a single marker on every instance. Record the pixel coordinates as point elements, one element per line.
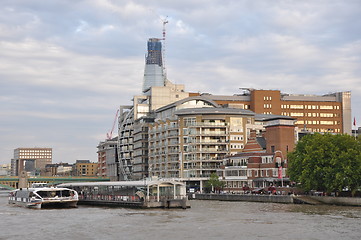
<point>314,113</point>
<point>140,147</point>
<point>191,138</point>
<point>31,160</point>
<point>108,164</point>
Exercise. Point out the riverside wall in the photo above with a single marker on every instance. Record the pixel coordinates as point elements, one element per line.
<point>342,201</point>
<point>246,197</point>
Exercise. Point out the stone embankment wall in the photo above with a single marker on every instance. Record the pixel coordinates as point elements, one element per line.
<point>343,201</point>
<point>246,197</point>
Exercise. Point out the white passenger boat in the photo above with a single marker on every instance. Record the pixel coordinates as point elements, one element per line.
<point>44,197</point>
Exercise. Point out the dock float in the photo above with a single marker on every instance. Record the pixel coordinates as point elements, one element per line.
<point>135,194</point>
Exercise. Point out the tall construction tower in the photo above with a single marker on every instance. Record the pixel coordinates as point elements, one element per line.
<point>154,72</point>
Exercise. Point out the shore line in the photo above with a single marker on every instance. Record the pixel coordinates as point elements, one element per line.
<point>287,199</point>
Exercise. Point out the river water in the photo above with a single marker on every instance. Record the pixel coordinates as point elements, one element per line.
<point>204,220</point>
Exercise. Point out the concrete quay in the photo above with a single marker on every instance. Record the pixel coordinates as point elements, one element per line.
<point>293,199</point>
<point>246,197</point>
<point>319,200</point>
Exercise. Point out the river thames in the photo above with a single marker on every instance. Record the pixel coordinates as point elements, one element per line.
<point>204,220</point>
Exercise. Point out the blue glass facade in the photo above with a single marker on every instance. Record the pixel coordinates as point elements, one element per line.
<point>153,73</point>
<point>154,52</point>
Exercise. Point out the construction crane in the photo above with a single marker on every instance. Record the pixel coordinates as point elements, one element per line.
<point>164,21</point>
<point>110,133</point>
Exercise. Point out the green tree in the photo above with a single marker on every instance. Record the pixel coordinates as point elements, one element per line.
<point>214,183</point>
<point>326,163</point>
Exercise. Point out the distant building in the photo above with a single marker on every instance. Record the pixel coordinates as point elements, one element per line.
<point>356,132</point>
<point>57,169</point>
<point>32,160</point>
<point>85,168</point>
<point>108,164</point>
<point>154,74</point>
<point>5,169</point>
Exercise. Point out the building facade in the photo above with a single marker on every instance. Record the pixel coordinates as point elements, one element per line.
<point>190,138</point>
<point>85,168</point>
<point>140,147</point>
<point>57,169</point>
<point>263,161</point>
<point>157,92</point>
<point>169,133</point>
<point>5,169</point>
<point>108,163</point>
<point>314,113</point>
<point>154,74</point>
<point>31,160</point>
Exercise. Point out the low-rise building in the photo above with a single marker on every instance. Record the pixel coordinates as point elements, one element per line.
<point>5,169</point>
<point>57,169</point>
<point>85,168</point>
<point>263,161</point>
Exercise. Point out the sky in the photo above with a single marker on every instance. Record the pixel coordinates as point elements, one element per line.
<point>66,65</point>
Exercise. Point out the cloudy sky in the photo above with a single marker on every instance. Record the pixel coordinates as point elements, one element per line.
<point>66,65</point>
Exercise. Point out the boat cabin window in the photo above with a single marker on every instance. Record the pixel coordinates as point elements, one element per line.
<point>56,193</point>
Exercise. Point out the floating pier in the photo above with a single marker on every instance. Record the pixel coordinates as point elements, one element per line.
<point>136,194</point>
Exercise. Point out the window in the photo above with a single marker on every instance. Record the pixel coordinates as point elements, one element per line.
<point>294,114</point>
<point>296,106</point>
<point>189,121</point>
<point>327,122</point>
<point>272,149</point>
<point>326,107</point>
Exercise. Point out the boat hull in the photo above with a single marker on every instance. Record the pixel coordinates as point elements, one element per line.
<point>46,204</point>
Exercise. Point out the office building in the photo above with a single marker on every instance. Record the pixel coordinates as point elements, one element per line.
<point>314,113</point>
<point>31,160</point>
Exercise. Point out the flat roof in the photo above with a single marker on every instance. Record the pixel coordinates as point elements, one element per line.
<point>235,111</point>
<point>141,183</point>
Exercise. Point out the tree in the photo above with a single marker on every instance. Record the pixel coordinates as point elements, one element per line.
<point>214,182</point>
<point>326,162</point>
